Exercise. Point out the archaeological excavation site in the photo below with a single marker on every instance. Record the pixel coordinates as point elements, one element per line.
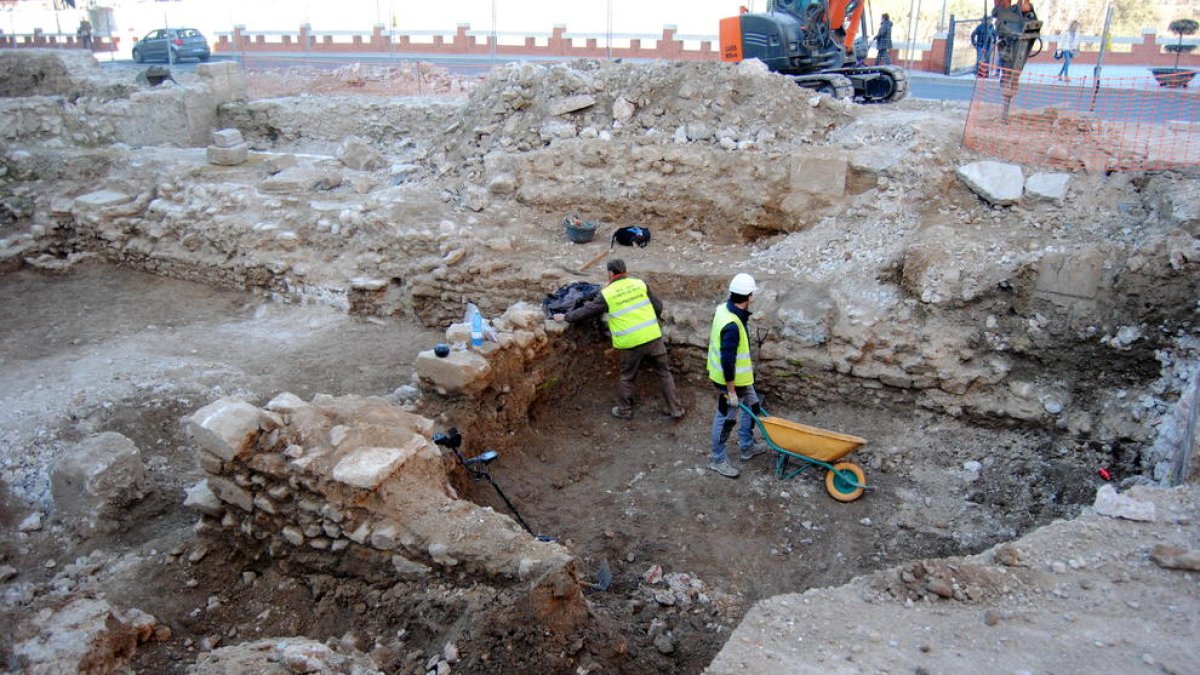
<point>247,425</point>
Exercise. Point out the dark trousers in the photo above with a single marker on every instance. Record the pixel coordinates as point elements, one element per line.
<point>653,355</point>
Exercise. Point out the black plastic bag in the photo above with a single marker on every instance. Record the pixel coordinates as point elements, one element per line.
<point>569,297</point>
<point>628,236</point>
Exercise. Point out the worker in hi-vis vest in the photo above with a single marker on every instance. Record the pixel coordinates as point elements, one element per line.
<point>732,372</point>
<point>632,312</point>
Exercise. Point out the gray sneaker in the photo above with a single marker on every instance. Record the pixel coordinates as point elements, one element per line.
<point>622,414</point>
<point>725,469</point>
<point>753,451</point>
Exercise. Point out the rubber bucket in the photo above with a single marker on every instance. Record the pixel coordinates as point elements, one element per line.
<point>581,232</point>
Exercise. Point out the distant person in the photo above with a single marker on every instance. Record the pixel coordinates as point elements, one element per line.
<point>84,33</point>
<point>883,42</point>
<point>633,315</point>
<point>983,39</point>
<point>1068,44</point>
<point>732,373</point>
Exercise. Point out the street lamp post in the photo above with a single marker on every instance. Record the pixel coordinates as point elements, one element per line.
<point>608,36</point>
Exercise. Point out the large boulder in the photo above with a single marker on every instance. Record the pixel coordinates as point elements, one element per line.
<point>225,428</point>
<point>85,636</point>
<point>99,477</point>
<point>996,182</point>
<point>458,373</point>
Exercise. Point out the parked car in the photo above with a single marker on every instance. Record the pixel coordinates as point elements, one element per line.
<point>171,44</point>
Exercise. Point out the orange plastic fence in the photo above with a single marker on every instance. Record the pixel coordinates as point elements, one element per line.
<point>1120,124</point>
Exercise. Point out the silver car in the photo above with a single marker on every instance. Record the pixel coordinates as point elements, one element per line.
<point>171,44</point>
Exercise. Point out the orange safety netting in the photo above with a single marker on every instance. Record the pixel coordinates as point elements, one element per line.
<point>1123,124</point>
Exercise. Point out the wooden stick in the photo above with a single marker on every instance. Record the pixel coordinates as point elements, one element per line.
<point>593,261</point>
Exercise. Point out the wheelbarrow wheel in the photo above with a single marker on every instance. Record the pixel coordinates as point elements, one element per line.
<point>842,489</point>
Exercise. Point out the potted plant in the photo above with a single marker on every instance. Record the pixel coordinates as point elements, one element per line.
<point>1176,76</point>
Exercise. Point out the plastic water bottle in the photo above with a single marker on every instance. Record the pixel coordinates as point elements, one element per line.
<point>476,327</point>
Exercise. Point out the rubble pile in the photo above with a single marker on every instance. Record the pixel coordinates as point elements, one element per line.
<point>623,141</point>
<point>527,106</point>
<point>408,79</point>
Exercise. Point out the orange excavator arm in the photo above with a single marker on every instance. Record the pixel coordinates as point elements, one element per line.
<point>847,15</point>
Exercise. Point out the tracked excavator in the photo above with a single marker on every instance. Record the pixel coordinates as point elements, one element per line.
<point>813,42</point>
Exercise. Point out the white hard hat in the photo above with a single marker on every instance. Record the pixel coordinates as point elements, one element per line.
<point>742,284</point>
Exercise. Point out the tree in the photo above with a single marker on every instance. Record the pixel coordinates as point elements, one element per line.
<point>1130,17</point>
<point>1182,27</point>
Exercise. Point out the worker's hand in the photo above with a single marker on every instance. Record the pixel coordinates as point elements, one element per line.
<point>560,317</point>
<point>732,398</point>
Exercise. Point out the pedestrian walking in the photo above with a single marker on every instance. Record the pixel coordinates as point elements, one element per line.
<point>883,42</point>
<point>84,34</point>
<point>633,321</point>
<point>1068,44</point>
<point>732,372</point>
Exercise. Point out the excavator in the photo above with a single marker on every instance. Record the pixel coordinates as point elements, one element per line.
<point>812,42</point>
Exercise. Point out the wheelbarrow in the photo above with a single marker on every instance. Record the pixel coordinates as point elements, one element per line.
<point>811,446</point>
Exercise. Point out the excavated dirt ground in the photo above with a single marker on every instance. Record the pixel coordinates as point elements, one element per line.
<point>995,357</point>
<point>135,353</point>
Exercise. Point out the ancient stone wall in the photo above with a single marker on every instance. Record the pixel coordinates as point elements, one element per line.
<point>354,486</point>
<point>82,107</point>
<point>391,122</point>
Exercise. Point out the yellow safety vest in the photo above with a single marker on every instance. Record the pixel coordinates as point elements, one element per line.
<point>743,369</point>
<point>631,317</point>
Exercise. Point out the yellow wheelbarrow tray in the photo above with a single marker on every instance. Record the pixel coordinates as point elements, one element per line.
<point>813,446</point>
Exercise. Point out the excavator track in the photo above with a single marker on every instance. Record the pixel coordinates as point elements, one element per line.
<point>877,84</point>
<point>832,84</point>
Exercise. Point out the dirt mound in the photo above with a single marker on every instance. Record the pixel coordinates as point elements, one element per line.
<point>525,106</point>
<point>1095,594</point>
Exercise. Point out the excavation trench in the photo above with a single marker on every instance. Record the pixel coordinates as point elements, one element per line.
<point>636,495</point>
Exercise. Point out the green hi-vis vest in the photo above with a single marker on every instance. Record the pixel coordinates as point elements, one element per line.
<point>743,370</point>
<point>631,317</point>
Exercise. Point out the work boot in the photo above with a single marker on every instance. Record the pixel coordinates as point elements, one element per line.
<point>753,451</point>
<point>675,416</point>
<point>622,414</point>
<point>724,468</point>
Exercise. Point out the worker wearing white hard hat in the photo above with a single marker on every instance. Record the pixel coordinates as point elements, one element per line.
<point>732,373</point>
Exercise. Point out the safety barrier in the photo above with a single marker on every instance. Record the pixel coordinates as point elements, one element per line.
<point>1116,124</point>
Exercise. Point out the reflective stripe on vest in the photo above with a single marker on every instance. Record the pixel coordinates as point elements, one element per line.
<point>743,375</point>
<point>631,317</point>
